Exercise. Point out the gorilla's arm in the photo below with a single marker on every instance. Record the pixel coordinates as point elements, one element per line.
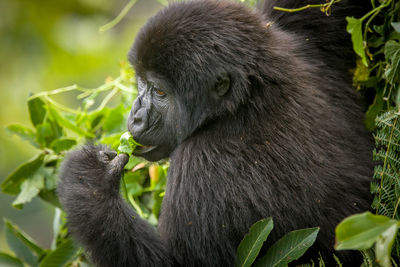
<point>110,231</point>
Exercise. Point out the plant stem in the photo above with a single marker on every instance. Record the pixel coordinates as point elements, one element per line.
<point>57,91</point>
<point>120,16</point>
<point>385,163</point>
<point>327,5</point>
<point>107,99</point>
<point>59,106</point>
<point>124,87</point>
<point>383,5</point>
<point>99,89</point>
<point>131,200</point>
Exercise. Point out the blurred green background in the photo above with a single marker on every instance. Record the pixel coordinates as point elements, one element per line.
<point>45,45</point>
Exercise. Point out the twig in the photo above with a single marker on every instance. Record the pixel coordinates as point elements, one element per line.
<point>120,16</point>
<point>58,105</point>
<point>324,7</point>
<point>107,98</point>
<point>57,91</point>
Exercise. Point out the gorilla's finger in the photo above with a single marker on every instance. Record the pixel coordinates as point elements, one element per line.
<point>110,154</point>
<point>118,163</point>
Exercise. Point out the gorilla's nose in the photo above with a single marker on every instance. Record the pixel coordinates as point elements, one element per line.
<point>137,122</point>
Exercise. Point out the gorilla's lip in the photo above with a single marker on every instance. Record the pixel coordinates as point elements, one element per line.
<point>143,149</point>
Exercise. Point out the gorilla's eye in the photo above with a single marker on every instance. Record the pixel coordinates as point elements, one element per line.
<point>160,92</point>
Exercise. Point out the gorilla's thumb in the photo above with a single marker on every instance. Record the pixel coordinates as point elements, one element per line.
<point>118,163</point>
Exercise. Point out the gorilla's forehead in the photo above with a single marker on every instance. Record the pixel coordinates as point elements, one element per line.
<point>192,35</point>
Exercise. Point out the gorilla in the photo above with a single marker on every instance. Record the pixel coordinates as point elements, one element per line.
<point>256,111</point>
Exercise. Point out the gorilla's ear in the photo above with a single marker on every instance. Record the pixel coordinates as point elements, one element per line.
<point>222,85</point>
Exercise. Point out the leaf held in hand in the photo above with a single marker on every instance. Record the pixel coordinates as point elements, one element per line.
<point>127,144</point>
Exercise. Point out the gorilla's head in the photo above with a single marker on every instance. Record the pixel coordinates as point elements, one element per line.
<point>195,62</point>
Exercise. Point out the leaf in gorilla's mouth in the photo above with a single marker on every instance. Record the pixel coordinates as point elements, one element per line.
<point>143,149</point>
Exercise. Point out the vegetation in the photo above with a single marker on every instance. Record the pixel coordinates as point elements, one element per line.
<point>56,128</point>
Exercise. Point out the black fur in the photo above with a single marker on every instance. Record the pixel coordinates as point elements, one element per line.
<point>286,140</point>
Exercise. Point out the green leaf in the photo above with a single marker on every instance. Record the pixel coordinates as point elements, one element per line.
<point>62,144</point>
<point>373,110</point>
<point>289,248</point>
<point>115,120</point>
<point>21,244</point>
<point>44,133</point>
<point>29,189</point>
<point>56,128</point>
<point>112,140</point>
<point>384,244</point>
<point>24,133</point>
<point>57,225</point>
<point>251,244</point>
<point>67,124</point>
<point>37,111</point>
<point>96,118</point>
<point>12,183</point>
<point>396,26</point>
<point>61,256</point>
<point>392,54</point>
<point>51,197</point>
<point>127,145</point>
<point>361,231</point>
<point>9,261</point>
<point>354,27</point>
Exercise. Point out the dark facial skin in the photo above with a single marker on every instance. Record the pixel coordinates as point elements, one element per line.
<point>149,118</point>
<point>156,116</point>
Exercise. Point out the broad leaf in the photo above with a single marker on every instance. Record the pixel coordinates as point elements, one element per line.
<point>361,231</point>
<point>289,248</point>
<point>51,197</point>
<point>115,122</point>
<point>127,144</point>
<point>25,238</point>
<point>44,133</point>
<point>384,244</point>
<point>24,133</point>
<point>9,261</point>
<point>62,144</point>
<point>61,256</point>
<point>396,26</point>
<point>30,188</point>
<point>252,242</point>
<point>67,124</point>
<point>354,27</point>
<point>392,54</point>
<point>373,110</point>
<point>13,182</point>
<point>21,244</point>
<point>112,140</point>
<point>37,111</point>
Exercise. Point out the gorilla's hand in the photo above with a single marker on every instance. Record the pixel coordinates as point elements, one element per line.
<point>92,169</point>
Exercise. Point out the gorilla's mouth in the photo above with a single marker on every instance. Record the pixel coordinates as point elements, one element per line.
<point>143,149</point>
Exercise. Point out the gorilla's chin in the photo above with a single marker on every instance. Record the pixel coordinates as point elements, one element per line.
<point>152,153</point>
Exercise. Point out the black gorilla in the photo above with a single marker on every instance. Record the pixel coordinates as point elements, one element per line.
<point>257,113</point>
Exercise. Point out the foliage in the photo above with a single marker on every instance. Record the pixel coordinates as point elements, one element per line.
<point>376,39</point>
<point>101,117</point>
<point>127,144</point>
<point>386,185</point>
<point>362,231</point>
<point>287,249</point>
<point>57,128</point>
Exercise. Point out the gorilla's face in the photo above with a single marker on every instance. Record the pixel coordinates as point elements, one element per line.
<point>163,115</point>
<point>151,120</point>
